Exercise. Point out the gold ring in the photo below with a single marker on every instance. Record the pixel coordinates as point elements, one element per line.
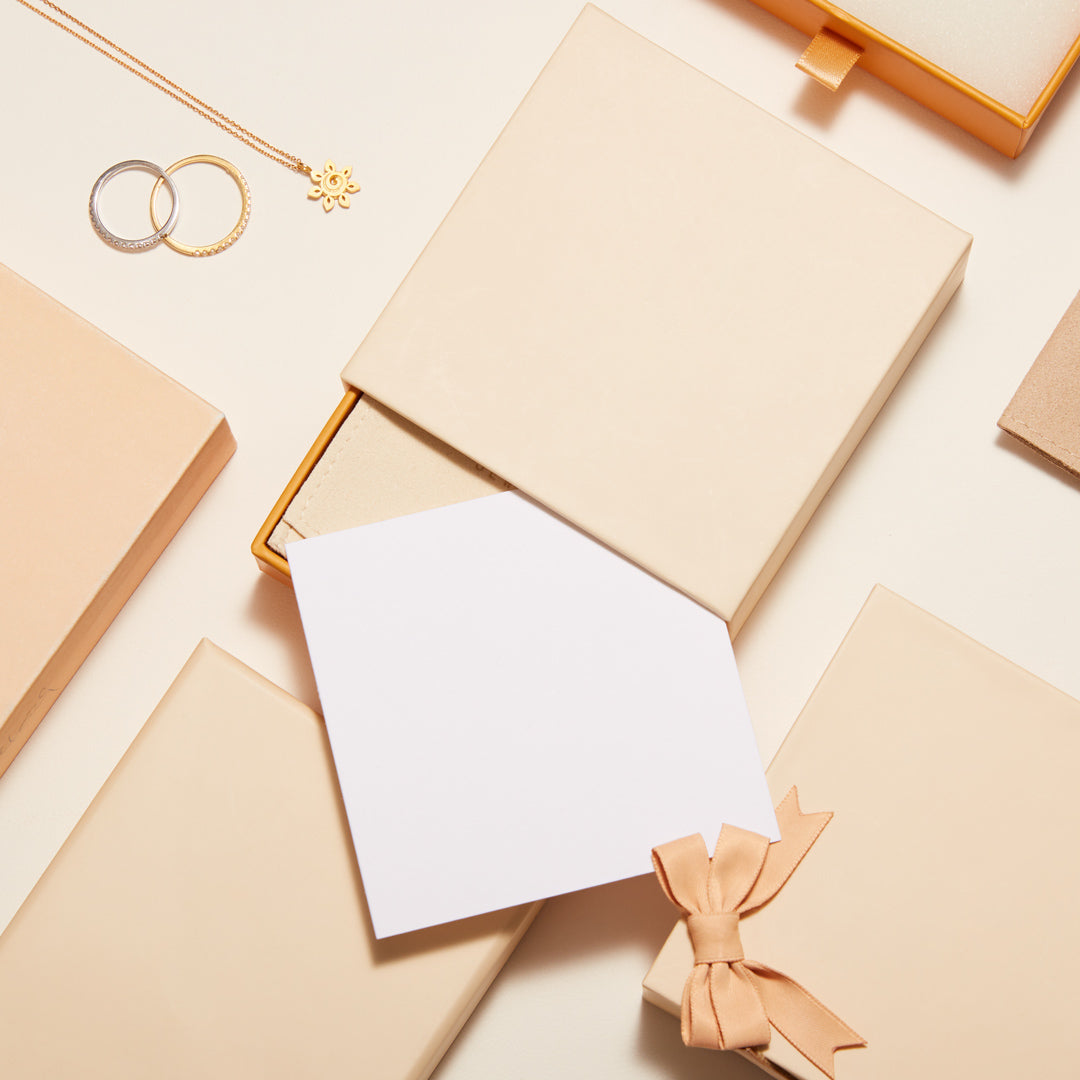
<point>245,208</point>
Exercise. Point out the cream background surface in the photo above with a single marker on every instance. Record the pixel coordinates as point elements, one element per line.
<point>935,503</point>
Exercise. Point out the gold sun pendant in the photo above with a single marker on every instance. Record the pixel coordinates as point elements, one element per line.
<point>333,186</point>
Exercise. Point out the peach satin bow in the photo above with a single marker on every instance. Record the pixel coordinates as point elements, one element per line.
<point>729,1001</point>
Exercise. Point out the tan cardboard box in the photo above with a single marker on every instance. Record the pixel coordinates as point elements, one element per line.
<point>1045,410</point>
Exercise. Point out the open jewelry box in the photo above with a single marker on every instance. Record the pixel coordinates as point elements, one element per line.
<point>660,335</point>
<point>368,464</point>
<point>989,66</point>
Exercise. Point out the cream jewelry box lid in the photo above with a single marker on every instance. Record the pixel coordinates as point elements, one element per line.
<point>663,313</point>
<point>936,913</point>
<point>206,917</point>
<point>102,457</point>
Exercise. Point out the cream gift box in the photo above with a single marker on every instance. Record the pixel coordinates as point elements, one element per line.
<point>102,457</point>
<point>990,66</point>
<point>935,914</point>
<point>206,917</point>
<point>662,313</point>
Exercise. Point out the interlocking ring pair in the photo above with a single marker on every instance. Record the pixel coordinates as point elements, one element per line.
<point>164,179</point>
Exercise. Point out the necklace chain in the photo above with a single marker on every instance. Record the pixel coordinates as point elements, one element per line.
<point>167,86</point>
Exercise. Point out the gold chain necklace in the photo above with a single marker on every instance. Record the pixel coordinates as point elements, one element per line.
<point>333,185</point>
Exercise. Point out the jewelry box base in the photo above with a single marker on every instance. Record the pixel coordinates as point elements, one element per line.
<point>368,464</point>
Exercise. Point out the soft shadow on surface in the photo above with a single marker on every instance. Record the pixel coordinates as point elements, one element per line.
<point>272,605</point>
<point>659,1041</point>
<point>579,969</point>
<point>631,913</point>
<point>1033,457</point>
<point>820,106</point>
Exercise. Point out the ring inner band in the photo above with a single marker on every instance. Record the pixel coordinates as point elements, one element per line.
<point>161,232</point>
<point>245,204</point>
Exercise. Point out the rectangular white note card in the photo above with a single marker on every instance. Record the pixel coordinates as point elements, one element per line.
<point>516,711</point>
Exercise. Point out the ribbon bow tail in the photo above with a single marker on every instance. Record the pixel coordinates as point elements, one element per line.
<point>722,1009</point>
<point>811,1027</point>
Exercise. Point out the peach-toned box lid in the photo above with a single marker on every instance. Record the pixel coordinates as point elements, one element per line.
<point>936,914</point>
<point>206,917</point>
<point>101,459</point>
<point>663,313</point>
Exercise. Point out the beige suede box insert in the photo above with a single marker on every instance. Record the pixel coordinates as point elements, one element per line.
<point>102,457</point>
<point>376,466</point>
<point>936,914</point>
<point>206,917</point>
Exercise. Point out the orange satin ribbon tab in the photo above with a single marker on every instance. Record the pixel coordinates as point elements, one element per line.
<point>730,1002</point>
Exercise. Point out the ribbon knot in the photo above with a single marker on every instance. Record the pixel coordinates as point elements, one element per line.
<point>730,1002</point>
<point>715,937</point>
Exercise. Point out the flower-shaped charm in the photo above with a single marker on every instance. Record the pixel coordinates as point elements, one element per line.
<point>333,185</point>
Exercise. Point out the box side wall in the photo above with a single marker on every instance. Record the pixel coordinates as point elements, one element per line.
<point>269,561</point>
<point>848,445</point>
<point>114,592</point>
<point>999,127</point>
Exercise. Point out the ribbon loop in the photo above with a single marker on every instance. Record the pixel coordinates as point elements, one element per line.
<point>738,860</point>
<point>730,1002</point>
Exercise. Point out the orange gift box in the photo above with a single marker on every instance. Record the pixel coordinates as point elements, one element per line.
<point>842,40</point>
<point>103,459</point>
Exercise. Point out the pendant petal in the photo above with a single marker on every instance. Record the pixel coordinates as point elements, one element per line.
<point>315,193</point>
<point>343,202</point>
<point>329,166</point>
<point>316,176</point>
<point>352,186</point>
<point>328,204</point>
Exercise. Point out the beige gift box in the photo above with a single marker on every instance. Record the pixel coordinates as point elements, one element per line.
<point>206,917</point>
<point>936,912</point>
<point>662,313</point>
<point>102,457</point>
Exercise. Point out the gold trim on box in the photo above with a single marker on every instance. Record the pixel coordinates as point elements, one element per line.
<point>270,562</point>
<point>1009,134</point>
<point>928,66</point>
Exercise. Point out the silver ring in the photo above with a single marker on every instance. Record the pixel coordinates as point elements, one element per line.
<point>147,241</point>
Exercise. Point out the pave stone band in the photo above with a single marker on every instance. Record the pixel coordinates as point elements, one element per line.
<point>162,231</point>
<point>245,204</point>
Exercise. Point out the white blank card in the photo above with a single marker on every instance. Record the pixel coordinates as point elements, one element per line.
<point>515,711</point>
